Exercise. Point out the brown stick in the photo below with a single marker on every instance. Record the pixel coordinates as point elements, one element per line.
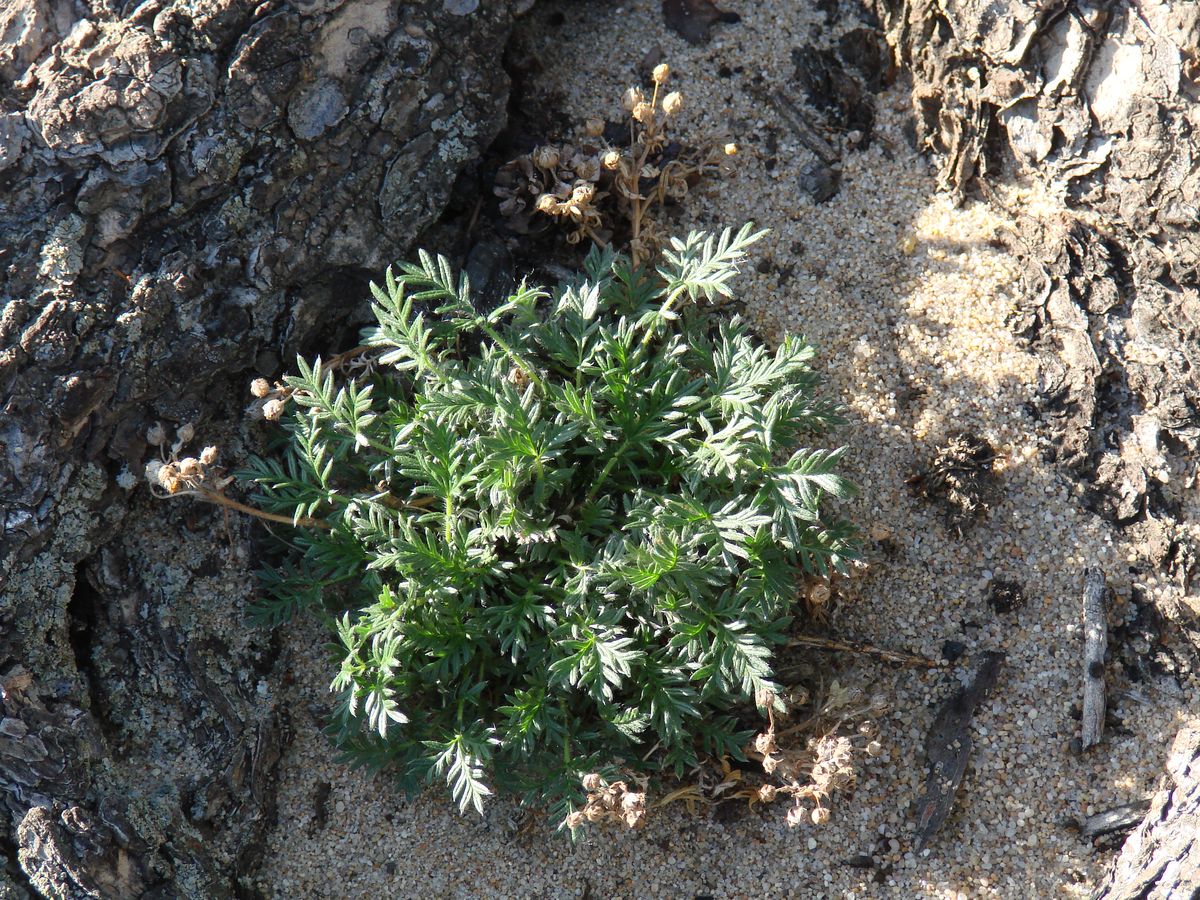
<point>798,122</point>
<point>222,500</point>
<point>904,659</point>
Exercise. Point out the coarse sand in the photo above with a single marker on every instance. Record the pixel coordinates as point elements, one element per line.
<point>905,296</point>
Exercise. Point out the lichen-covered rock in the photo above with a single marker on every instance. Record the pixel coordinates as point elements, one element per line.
<point>190,191</point>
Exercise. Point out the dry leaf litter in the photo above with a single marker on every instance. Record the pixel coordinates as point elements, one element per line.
<point>906,298</point>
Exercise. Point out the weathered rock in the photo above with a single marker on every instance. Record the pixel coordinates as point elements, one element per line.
<point>1161,860</point>
<point>1095,104</point>
<point>192,191</point>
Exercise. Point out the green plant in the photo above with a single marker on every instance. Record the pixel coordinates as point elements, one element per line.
<point>558,538</point>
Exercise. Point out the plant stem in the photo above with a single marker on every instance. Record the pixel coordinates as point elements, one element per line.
<point>605,472</point>
<point>512,354</point>
<point>896,656</point>
<point>222,500</point>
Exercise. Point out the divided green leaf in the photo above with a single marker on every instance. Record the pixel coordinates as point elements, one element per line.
<point>563,536</point>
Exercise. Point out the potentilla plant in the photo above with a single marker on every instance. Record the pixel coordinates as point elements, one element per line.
<point>557,539</point>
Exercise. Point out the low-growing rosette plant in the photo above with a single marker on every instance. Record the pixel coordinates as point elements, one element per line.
<point>559,538</point>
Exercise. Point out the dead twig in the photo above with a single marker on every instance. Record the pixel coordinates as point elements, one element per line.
<point>795,119</point>
<point>219,499</point>
<point>861,647</point>
<point>1095,644</point>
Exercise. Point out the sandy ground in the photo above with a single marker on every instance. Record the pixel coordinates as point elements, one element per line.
<point>906,298</point>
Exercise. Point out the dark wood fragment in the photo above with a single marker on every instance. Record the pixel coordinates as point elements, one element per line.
<point>693,19</point>
<point>802,127</point>
<point>1119,818</point>
<point>948,747</point>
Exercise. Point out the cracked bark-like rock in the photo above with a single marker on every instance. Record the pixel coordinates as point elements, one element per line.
<point>1096,104</point>
<point>192,191</point>
<point>1161,859</point>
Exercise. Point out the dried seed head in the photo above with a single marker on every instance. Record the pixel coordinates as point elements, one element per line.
<point>633,809</point>
<point>673,103</point>
<point>574,820</point>
<point>731,149</point>
<point>644,113</point>
<point>260,387</point>
<point>661,71</point>
<point>208,456</point>
<point>156,436</point>
<point>633,97</point>
<point>767,793</point>
<point>152,469</point>
<point>273,410</point>
<point>185,433</point>
<point>189,467</point>
<point>546,157</point>
<point>820,816</point>
<point>587,169</point>
<point>547,203</point>
<point>764,743</point>
<point>611,159</point>
<point>583,192</point>
<point>592,782</point>
<point>795,816</point>
<point>594,127</point>
<point>168,478</point>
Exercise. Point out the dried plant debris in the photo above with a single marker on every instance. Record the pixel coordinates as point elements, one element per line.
<point>1005,596</point>
<point>809,773</point>
<point>693,19</point>
<point>807,756</point>
<point>609,803</point>
<point>1142,645</point>
<point>948,747</point>
<point>962,479</point>
<point>173,474</point>
<point>605,186</point>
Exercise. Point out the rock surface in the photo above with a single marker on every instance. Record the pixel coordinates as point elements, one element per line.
<point>1161,860</point>
<point>193,190</point>
<point>1096,105</point>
